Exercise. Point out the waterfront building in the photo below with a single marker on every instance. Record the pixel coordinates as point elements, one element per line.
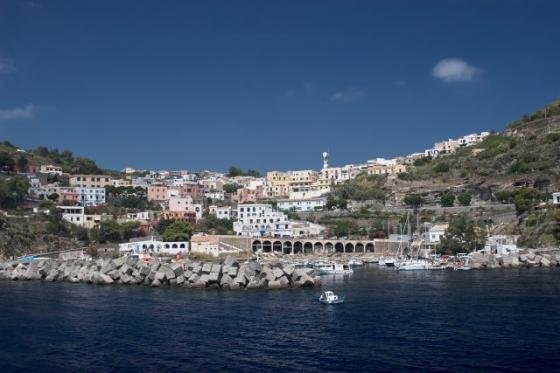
<point>152,245</point>
<point>90,181</point>
<point>501,244</point>
<point>436,233</point>
<point>256,220</point>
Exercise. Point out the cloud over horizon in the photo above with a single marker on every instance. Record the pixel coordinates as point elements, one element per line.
<point>452,70</point>
<point>27,112</point>
<point>349,94</point>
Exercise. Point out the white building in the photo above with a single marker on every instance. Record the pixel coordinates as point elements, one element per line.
<point>306,229</point>
<point>73,214</point>
<point>218,195</point>
<point>556,198</point>
<point>150,245</point>
<point>312,204</point>
<point>50,170</point>
<point>221,212</point>
<point>91,196</point>
<point>311,191</point>
<point>180,204</point>
<point>255,220</point>
<point>501,245</point>
<point>140,216</point>
<point>436,232</point>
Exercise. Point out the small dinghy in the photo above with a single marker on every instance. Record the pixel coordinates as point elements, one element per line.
<point>328,297</point>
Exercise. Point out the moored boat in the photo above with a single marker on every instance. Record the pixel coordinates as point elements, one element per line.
<point>333,269</point>
<point>328,297</point>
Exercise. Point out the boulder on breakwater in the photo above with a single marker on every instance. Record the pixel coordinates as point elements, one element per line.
<point>228,274</point>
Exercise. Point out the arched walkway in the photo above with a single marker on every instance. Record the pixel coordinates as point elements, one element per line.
<point>370,248</point>
<point>267,246</point>
<point>329,248</point>
<point>339,247</point>
<point>359,247</point>
<point>277,247</point>
<point>318,248</point>
<point>298,247</point>
<point>257,245</point>
<point>308,248</point>
<point>349,248</point>
<point>287,247</point>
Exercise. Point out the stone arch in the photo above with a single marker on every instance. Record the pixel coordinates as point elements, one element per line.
<point>174,246</point>
<point>144,246</point>
<point>349,248</point>
<point>287,247</point>
<point>370,248</point>
<point>257,245</point>
<point>359,247</point>
<point>151,247</point>
<point>182,246</point>
<point>298,247</point>
<point>308,248</point>
<point>329,247</point>
<point>277,247</point>
<point>339,247</point>
<point>318,247</point>
<point>267,246</point>
<point>167,246</point>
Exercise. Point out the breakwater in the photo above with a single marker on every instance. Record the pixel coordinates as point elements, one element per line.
<point>228,274</point>
<point>525,258</point>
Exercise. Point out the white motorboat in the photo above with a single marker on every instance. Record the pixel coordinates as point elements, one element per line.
<point>413,265</point>
<point>328,297</point>
<point>354,262</point>
<point>333,269</point>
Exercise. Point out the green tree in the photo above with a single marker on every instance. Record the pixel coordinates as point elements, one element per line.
<point>447,199</point>
<point>526,199</point>
<point>231,188</point>
<point>55,224</point>
<point>109,231</point>
<point>441,167</point>
<point>463,234</point>
<point>131,229</point>
<point>413,200</point>
<point>22,163</point>
<point>235,171</point>
<point>504,196</point>
<point>177,231</point>
<point>6,162</point>
<point>53,197</point>
<point>253,173</point>
<point>464,199</point>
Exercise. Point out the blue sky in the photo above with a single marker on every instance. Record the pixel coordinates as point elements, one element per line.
<point>268,85</point>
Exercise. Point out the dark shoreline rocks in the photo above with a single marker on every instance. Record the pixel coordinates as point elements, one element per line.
<point>229,274</point>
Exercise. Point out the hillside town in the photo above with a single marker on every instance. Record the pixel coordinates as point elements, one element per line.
<point>216,207</point>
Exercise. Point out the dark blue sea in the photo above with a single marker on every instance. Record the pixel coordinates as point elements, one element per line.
<point>498,320</point>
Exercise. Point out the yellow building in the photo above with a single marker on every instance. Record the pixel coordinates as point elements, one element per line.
<point>90,181</point>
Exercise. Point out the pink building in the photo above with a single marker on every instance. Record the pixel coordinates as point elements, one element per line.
<point>157,193</point>
<point>245,195</point>
<point>193,190</point>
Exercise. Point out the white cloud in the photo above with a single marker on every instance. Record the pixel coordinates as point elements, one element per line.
<point>6,66</point>
<point>454,70</point>
<point>26,112</point>
<point>348,94</point>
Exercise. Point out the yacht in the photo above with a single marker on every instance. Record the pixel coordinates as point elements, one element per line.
<point>328,297</point>
<point>333,269</point>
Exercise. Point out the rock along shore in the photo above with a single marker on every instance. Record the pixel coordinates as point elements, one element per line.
<point>526,258</point>
<point>228,274</point>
